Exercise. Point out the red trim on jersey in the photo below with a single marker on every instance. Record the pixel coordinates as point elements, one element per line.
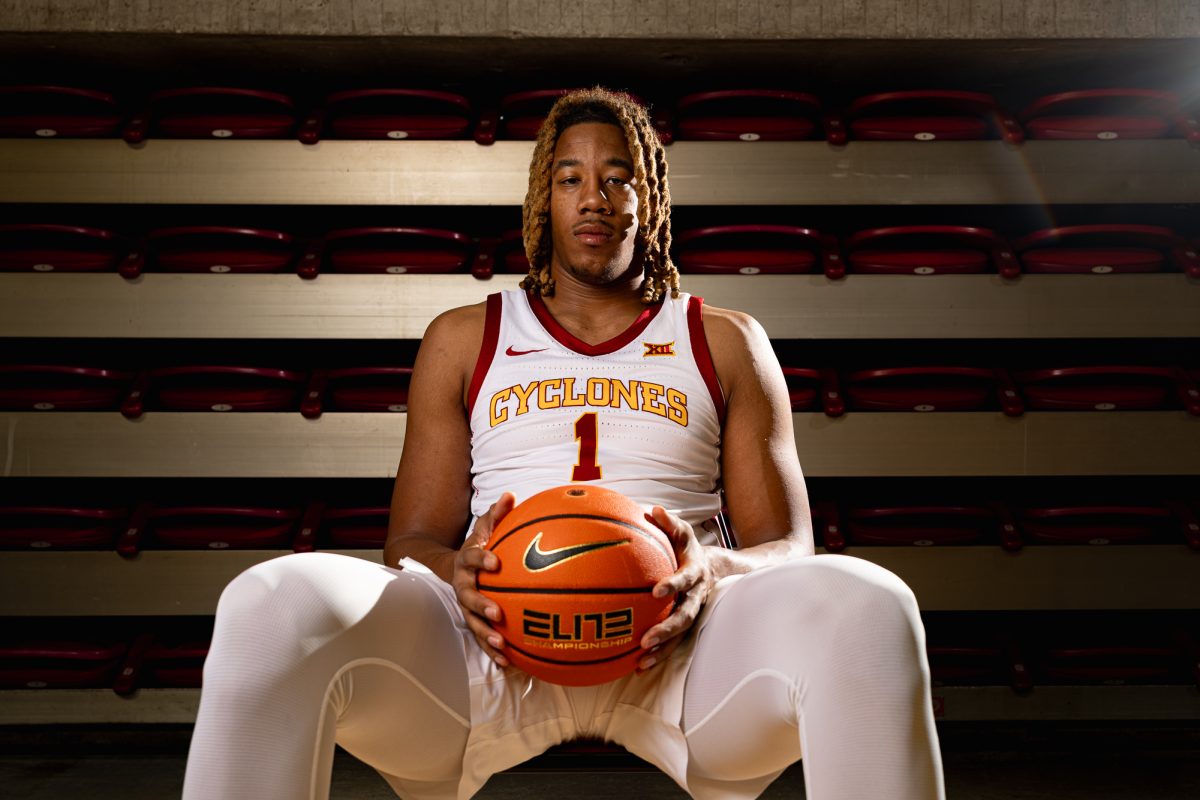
<point>703,356</point>
<point>487,351</point>
<point>566,339</point>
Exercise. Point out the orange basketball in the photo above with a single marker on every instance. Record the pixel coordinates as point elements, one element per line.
<point>577,566</point>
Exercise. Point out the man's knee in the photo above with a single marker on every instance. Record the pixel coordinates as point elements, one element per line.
<point>833,591</point>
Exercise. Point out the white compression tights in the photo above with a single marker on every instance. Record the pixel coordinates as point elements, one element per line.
<point>821,657</point>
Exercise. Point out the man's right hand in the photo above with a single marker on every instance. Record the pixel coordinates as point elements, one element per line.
<point>468,561</point>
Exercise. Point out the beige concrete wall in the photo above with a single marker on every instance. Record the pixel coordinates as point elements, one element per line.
<point>717,19</point>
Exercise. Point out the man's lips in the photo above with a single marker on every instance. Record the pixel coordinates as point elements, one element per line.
<point>593,234</point>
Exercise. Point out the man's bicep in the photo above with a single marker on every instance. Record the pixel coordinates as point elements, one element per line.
<point>761,473</point>
<point>432,493</point>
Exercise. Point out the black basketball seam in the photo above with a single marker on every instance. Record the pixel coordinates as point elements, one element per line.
<point>574,663</point>
<point>515,589</point>
<point>670,552</point>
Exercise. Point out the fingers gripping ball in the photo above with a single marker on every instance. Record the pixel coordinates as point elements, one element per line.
<point>577,566</point>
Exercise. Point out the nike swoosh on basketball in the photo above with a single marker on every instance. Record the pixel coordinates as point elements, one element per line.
<point>537,559</point>
<point>511,352</point>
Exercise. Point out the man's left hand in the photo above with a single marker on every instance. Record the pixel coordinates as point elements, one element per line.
<point>691,582</point>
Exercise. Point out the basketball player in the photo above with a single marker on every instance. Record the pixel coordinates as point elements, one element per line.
<point>597,370</point>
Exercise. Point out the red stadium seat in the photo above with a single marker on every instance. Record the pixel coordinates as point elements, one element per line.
<point>749,115</point>
<point>929,250</point>
<point>1104,249</point>
<point>60,657</point>
<point>60,527</point>
<point>215,388</point>
<point>1112,655</point>
<point>61,387</point>
<point>1099,525</point>
<point>373,389</point>
<point>355,528</point>
<point>925,116</point>
<point>814,390</point>
<point>754,250</point>
<point>213,112</point>
<point>519,116</point>
<point>209,527</point>
<point>1108,114</point>
<point>59,248</point>
<point>510,255</point>
<point>920,526</point>
<point>974,652</point>
<point>1107,388</point>
<point>389,114</point>
<point>215,249</point>
<point>932,388</point>
<point>57,111</point>
<point>396,251</point>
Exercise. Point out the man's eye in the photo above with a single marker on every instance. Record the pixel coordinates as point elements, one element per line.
<point>615,179</point>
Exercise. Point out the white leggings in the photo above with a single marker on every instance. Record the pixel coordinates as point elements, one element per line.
<point>823,656</point>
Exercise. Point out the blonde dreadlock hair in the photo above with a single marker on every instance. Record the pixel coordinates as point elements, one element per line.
<point>653,242</point>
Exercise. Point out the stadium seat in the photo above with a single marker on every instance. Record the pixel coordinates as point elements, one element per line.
<point>213,112</point>
<point>1099,525</point>
<point>752,115</point>
<point>1105,249</point>
<point>57,112</point>
<point>372,389</point>
<point>1108,114</point>
<point>755,250</point>
<point>519,115</point>
<point>1107,388</point>
<point>27,527</point>
<point>932,388</point>
<point>926,116</point>
<point>215,249</point>
<point>354,527</point>
<point>59,248</point>
<point>392,251</point>
<point>929,250</point>
<point>53,655</point>
<point>389,114</point>
<point>61,387</point>
<point>920,525</point>
<point>214,388</point>
<point>172,526</point>
<point>814,390</point>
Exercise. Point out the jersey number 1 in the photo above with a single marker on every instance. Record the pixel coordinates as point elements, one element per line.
<point>585,433</point>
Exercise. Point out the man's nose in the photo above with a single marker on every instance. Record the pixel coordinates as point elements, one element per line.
<point>594,198</point>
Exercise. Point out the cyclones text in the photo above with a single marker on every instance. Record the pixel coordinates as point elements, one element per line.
<point>653,398</point>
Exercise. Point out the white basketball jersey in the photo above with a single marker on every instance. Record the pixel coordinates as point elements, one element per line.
<point>640,413</point>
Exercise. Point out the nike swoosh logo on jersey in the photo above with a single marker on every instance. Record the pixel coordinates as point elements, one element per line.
<point>537,559</point>
<point>511,352</point>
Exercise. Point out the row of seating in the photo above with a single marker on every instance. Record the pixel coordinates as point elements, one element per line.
<point>303,525</point>
<point>215,387</point>
<point>72,653</point>
<point>735,114</point>
<point>744,249</point>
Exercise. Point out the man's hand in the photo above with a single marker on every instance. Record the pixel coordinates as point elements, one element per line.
<point>691,583</point>
<point>468,561</point>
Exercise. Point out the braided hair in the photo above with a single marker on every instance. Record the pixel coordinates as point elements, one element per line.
<point>653,243</point>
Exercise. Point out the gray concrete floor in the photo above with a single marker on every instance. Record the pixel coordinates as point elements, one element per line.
<point>1129,763</point>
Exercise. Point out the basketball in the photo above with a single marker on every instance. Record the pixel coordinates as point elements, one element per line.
<point>577,567</point>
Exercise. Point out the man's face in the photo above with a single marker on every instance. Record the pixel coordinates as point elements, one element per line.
<point>593,204</point>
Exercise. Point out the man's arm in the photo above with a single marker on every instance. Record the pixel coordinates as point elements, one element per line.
<point>431,499</point>
<point>764,486</point>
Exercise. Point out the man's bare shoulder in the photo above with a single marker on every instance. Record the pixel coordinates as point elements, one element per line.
<point>451,345</point>
<point>726,326</point>
<point>463,321</point>
<point>739,346</point>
